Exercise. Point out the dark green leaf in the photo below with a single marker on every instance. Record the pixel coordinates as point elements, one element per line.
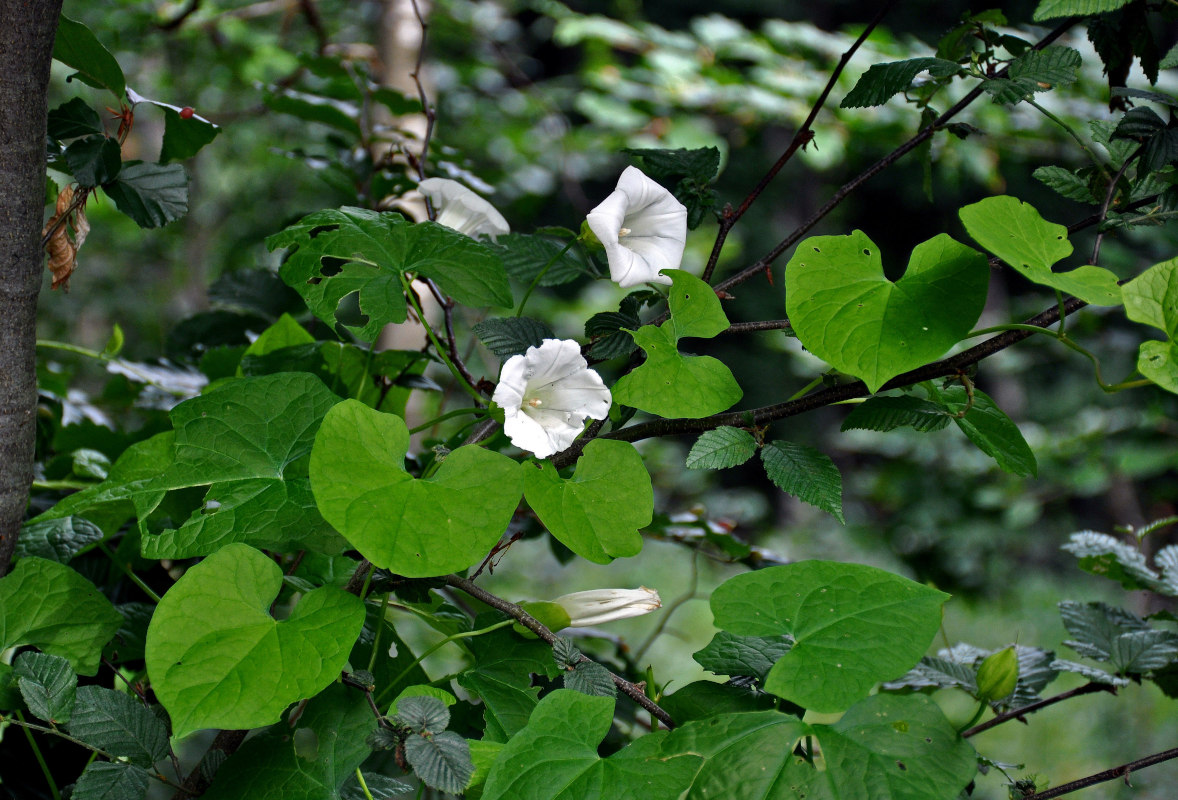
<point>882,81</point>
<point>57,539</point>
<point>1005,91</point>
<point>806,473</point>
<point>1160,150</point>
<point>379,787</point>
<point>254,291</point>
<point>183,138</point>
<point>47,684</point>
<point>668,166</point>
<point>128,643</point>
<point>78,48</point>
<point>501,675</point>
<point>1053,66</point>
<point>526,255</point>
<point>733,655</point>
<point>703,699</point>
<point>441,760</point>
<point>151,194</point>
<point>512,335</point>
<point>589,677</point>
<point>422,714</point>
<point>1052,9</point>
<point>119,724</point>
<point>94,160</point>
<point>73,119</point>
<point>1066,183</point>
<point>1139,123</point>
<point>887,413</point>
<point>107,780</point>
<point>721,448</point>
<point>994,433</point>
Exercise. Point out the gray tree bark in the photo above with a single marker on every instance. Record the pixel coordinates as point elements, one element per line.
<point>27,28</point>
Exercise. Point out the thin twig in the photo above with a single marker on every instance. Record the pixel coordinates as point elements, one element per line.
<point>430,113</point>
<point>763,325</point>
<point>1108,199</point>
<point>178,20</point>
<point>447,305</point>
<point>316,23</point>
<point>1020,713</point>
<point>801,138</point>
<point>535,626</point>
<point>1122,771</point>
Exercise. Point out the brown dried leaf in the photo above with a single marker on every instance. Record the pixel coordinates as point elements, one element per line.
<point>67,230</point>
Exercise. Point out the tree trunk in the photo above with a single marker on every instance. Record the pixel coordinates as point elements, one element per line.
<point>27,28</point>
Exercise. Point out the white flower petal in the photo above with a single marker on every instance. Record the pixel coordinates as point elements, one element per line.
<point>606,605</point>
<point>462,210</point>
<point>643,229</point>
<point>546,394</point>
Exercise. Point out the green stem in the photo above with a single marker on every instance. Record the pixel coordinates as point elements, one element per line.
<point>28,728</point>
<point>1075,136</point>
<point>135,579</point>
<point>805,390</point>
<point>536,281</point>
<point>982,706</point>
<point>431,650</point>
<point>56,485</point>
<point>458,412</point>
<point>367,580</point>
<point>363,785</point>
<point>49,344</point>
<point>380,623</point>
<point>441,351</point>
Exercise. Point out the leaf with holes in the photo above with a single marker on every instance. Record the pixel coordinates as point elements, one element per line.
<point>47,684</point>
<point>852,626</point>
<point>333,254</point>
<point>721,448</point>
<point>845,310</point>
<point>670,384</point>
<point>415,527</point>
<point>598,511</point>
<point>1014,231</point>
<point>806,473</point>
<point>219,660</point>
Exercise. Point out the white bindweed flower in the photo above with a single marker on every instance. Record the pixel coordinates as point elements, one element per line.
<point>462,210</point>
<point>643,229</point>
<point>546,394</point>
<point>606,605</point>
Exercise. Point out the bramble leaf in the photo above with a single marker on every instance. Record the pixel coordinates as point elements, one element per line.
<point>806,473</point>
<point>721,448</point>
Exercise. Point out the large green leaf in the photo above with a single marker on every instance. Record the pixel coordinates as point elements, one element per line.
<point>76,47</point>
<point>414,527</point>
<point>1152,298</point>
<point>52,607</point>
<point>216,657</point>
<point>597,512</point>
<point>501,676</point>
<point>119,724</point>
<point>670,384</point>
<point>1014,231</point>
<point>337,253</point>
<point>852,626</point>
<point>845,310</point>
<point>333,726</point>
<point>151,194</point>
<point>555,758</point>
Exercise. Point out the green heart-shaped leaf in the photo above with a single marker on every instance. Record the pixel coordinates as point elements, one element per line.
<point>670,384</point>
<point>597,512</point>
<point>216,657</point>
<point>418,528</point>
<point>1014,231</point>
<point>846,312</point>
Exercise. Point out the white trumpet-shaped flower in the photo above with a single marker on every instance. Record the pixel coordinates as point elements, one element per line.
<point>643,229</point>
<point>546,394</point>
<point>462,210</point>
<point>606,605</point>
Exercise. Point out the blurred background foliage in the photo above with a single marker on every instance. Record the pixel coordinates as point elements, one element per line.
<point>534,100</point>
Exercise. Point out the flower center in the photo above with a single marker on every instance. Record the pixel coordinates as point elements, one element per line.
<point>623,232</point>
<point>535,402</point>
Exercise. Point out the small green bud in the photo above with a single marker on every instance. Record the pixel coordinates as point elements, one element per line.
<point>588,237</point>
<point>998,675</point>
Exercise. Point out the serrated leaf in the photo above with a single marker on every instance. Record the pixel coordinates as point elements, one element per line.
<point>57,539</point>
<point>94,160</point>
<point>78,48</point>
<point>1089,673</point>
<point>668,383</point>
<point>555,758</point>
<point>1054,66</point>
<point>806,473</point>
<point>73,119</point>
<point>108,780</point>
<point>1066,183</point>
<point>721,448</point>
<point>119,724</point>
<point>1101,554</point>
<point>994,433</point>
<point>840,617</point>
<point>666,165</point>
<point>219,660</point>
<point>886,413</point>
<point>1139,124</point>
<point>47,684</point>
<point>1053,9</point>
<point>882,81</point>
<point>733,655</point>
<point>1106,633</point>
<point>526,255</point>
<point>441,760</point>
<point>423,714</point>
<point>151,194</point>
<point>1014,231</point>
<point>52,607</point>
<point>589,677</point>
<point>267,768</point>
<point>377,787</point>
<point>846,311</point>
<point>1005,91</point>
<point>512,335</point>
<point>598,512</point>
<point>415,527</point>
<point>333,254</point>
<point>936,672</point>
